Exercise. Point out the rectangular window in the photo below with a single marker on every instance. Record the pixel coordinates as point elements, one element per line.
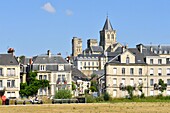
<point>45,77</point>
<point>1,72</point>
<point>151,71</point>
<point>114,81</point>
<point>114,71</point>
<point>159,61</point>
<point>63,78</point>
<point>123,71</point>
<point>140,81</point>
<point>159,71</point>
<point>40,77</point>
<point>168,82</point>
<point>123,81</point>
<point>93,63</point>
<point>59,79</point>
<point>151,93</point>
<point>42,67</point>
<point>41,91</point>
<point>1,83</point>
<point>132,82</point>
<point>140,71</point>
<point>114,93</point>
<point>168,92</point>
<point>151,61</point>
<point>151,82</point>
<point>85,63</point>
<point>168,71</point>
<point>89,63</point>
<point>8,83</point>
<point>10,71</point>
<point>13,83</point>
<point>131,71</point>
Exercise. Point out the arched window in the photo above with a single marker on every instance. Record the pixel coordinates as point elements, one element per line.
<point>127,60</point>
<point>112,36</point>
<point>108,36</point>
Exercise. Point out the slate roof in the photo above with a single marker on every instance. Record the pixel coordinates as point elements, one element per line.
<point>107,25</point>
<point>163,47</point>
<point>45,59</point>
<point>97,48</point>
<point>78,75</point>
<point>8,59</point>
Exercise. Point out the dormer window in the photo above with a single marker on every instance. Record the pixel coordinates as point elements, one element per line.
<point>60,67</point>
<point>42,68</point>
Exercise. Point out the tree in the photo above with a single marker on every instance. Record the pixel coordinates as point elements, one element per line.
<point>73,86</point>
<point>30,88</point>
<point>130,90</point>
<point>162,85</point>
<point>93,76</point>
<point>63,94</point>
<point>93,86</point>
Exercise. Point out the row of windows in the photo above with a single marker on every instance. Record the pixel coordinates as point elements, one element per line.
<point>89,63</point>
<point>139,81</point>
<point>159,61</point>
<point>159,71</point>
<point>43,67</point>
<point>124,71</point>
<point>10,83</point>
<point>140,71</point>
<point>10,72</point>
<point>108,36</point>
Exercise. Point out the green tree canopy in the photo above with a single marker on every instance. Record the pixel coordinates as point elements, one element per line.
<point>63,94</point>
<point>30,88</point>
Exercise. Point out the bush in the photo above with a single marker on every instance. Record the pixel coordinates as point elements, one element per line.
<point>142,95</point>
<point>99,99</point>
<point>63,94</point>
<point>90,99</point>
<point>106,96</point>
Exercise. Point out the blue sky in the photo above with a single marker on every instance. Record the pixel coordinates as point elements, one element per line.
<point>32,27</point>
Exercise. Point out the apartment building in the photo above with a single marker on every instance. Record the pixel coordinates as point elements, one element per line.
<point>9,75</point>
<point>55,69</point>
<point>135,67</point>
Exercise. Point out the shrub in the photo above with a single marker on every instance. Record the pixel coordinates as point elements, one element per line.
<point>142,95</point>
<point>90,99</point>
<point>106,96</point>
<point>63,94</point>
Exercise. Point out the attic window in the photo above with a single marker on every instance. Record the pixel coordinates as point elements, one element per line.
<point>127,60</point>
<point>139,60</point>
<point>11,62</point>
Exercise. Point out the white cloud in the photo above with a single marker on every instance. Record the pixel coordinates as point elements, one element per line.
<point>49,8</point>
<point>69,12</point>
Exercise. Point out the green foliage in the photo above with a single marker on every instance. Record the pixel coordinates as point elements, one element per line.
<point>93,76</point>
<point>106,96</point>
<point>130,91</point>
<point>31,87</point>
<point>73,86</point>
<point>93,86</point>
<point>63,94</point>
<point>163,85</point>
<point>142,95</point>
<point>90,99</point>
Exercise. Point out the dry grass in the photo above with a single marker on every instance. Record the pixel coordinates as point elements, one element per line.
<point>90,108</point>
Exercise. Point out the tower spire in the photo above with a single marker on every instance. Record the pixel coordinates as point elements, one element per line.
<point>107,25</point>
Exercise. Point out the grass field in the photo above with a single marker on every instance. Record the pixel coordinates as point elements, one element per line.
<point>130,107</point>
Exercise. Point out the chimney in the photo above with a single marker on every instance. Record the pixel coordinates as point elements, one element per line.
<point>126,46</point>
<point>49,53</point>
<point>11,51</point>
<point>123,49</point>
<point>30,61</point>
<point>140,47</point>
<point>151,49</point>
